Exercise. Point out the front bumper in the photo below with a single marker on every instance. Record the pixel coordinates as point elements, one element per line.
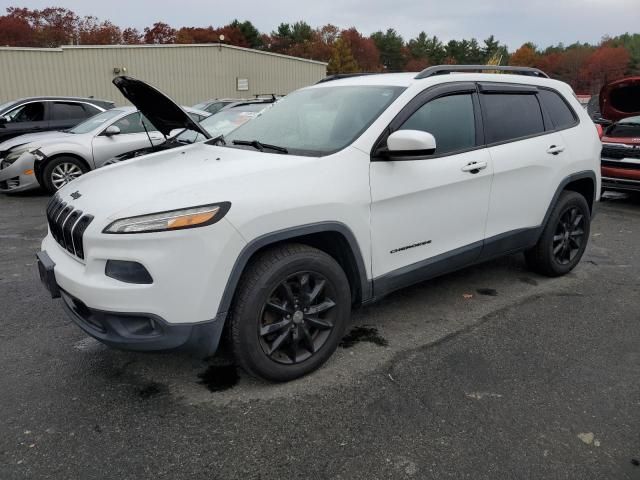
<point>13,178</point>
<point>132,331</point>
<point>142,331</point>
<point>180,308</point>
<point>622,184</point>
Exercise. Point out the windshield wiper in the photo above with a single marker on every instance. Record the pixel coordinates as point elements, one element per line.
<point>260,146</point>
<point>219,140</point>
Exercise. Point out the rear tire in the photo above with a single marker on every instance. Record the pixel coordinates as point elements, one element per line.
<point>60,171</point>
<point>564,237</point>
<point>290,311</point>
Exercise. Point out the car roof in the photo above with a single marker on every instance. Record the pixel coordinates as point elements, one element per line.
<point>408,79</point>
<point>131,108</point>
<point>80,99</point>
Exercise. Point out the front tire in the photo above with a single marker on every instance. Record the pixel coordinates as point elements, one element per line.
<point>60,171</point>
<point>564,238</point>
<point>290,312</point>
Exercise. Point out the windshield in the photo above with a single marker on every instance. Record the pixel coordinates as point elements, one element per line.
<point>625,128</point>
<point>95,122</point>
<point>224,122</point>
<point>211,107</point>
<point>318,121</point>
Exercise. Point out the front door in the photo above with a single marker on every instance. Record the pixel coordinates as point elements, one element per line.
<point>132,136</point>
<point>428,214</point>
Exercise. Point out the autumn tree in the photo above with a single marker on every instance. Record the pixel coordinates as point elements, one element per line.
<point>416,64</point>
<point>363,49</point>
<point>318,47</point>
<point>159,33</point>
<point>632,44</point>
<point>605,65</point>
<point>51,27</point>
<point>131,36</point>
<point>249,32</point>
<point>196,35</point>
<point>93,32</point>
<point>341,60</point>
<point>525,56</point>
<point>15,32</point>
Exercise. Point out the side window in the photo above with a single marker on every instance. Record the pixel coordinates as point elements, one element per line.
<point>449,119</point>
<point>67,111</point>
<point>131,124</point>
<point>30,112</point>
<point>561,114</point>
<point>509,116</point>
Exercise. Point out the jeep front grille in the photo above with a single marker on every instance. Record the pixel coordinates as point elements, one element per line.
<point>67,225</point>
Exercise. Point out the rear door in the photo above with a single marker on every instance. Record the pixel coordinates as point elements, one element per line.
<point>527,154</point>
<point>132,136</point>
<point>30,117</point>
<point>64,114</point>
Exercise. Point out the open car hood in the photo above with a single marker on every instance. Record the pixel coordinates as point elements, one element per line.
<point>159,109</point>
<point>620,99</point>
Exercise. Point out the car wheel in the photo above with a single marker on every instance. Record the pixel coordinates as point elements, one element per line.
<point>60,171</point>
<point>564,238</point>
<point>290,311</point>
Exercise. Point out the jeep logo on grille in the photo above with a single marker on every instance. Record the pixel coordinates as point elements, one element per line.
<point>76,195</point>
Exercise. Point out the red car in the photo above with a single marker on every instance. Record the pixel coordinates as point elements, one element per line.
<point>620,103</point>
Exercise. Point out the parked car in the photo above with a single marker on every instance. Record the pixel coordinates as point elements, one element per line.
<point>337,195</point>
<point>216,104</point>
<point>39,114</point>
<point>221,123</point>
<point>53,159</point>
<point>621,155</point>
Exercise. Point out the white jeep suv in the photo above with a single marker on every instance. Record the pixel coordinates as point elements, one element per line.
<point>339,194</point>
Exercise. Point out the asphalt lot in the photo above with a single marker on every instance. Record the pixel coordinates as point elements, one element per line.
<point>492,372</point>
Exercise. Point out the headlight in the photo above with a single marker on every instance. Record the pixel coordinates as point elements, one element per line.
<point>171,220</point>
<point>15,154</point>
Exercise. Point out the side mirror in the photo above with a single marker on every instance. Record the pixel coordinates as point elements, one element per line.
<point>5,120</point>
<point>410,143</point>
<point>112,130</point>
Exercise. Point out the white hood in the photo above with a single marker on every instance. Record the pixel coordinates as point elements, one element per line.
<point>182,177</point>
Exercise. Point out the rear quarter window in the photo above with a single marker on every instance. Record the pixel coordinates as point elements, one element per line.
<point>510,116</point>
<point>561,114</point>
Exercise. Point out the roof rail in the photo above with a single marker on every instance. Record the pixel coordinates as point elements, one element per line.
<point>447,69</point>
<point>338,76</point>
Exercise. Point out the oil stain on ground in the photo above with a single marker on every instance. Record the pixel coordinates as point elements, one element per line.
<point>491,292</point>
<point>152,389</point>
<point>363,334</point>
<point>219,377</point>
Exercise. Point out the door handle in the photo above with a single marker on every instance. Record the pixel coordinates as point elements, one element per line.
<point>555,149</point>
<point>474,167</point>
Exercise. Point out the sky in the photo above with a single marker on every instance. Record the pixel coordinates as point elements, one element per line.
<point>543,22</point>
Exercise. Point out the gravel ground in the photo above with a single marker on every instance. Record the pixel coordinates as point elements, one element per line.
<point>491,372</point>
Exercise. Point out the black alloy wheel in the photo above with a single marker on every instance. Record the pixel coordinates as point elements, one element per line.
<point>289,313</point>
<point>569,236</point>
<point>564,237</point>
<point>297,319</point>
